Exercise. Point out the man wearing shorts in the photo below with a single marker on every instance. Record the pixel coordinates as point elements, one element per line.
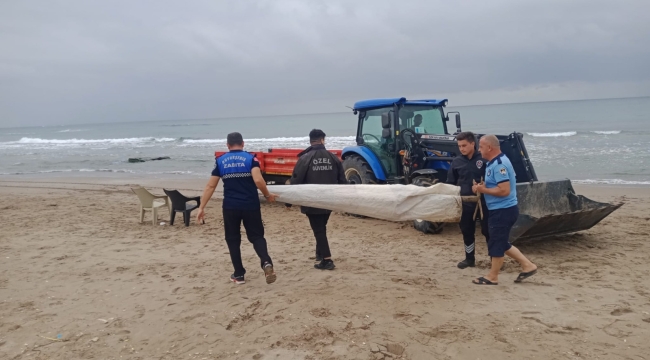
<point>501,199</point>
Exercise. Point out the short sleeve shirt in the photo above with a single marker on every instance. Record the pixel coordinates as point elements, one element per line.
<point>239,189</point>
<point>500,170</point>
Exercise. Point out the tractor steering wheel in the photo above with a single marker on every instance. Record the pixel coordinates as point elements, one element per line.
<point>376,138</point>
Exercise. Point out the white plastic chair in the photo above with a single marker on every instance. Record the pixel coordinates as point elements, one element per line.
<point>147,203</point>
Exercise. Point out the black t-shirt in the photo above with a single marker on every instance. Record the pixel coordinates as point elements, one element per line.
<point>464,171</point>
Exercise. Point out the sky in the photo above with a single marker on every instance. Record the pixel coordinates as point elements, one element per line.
<point>65,62</point>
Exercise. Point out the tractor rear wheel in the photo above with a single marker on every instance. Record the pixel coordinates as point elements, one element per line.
<point>426,227</point>
<point>357,171</point>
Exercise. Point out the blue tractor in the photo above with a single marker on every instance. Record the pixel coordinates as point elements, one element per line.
<point>402,141</point>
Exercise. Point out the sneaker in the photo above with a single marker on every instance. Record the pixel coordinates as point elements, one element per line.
<point>325,265</point>
<point>466,263</point>
<point>318,258</point>
<point>269,273</point>
<point>239,280</point>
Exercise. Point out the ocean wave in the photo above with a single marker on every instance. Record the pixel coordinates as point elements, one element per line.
<point>610,182</point>
<point>106,170</point>
<point>176,125</point>
<point>304,140</point>
<point>554,134</point>
<point>573,133</point>
<point>92,141</point>
<point>70,130</point>
<point>269,140</point>
<point>611,132</point>
<point>120,171</point>
<point>179,172</point>
<point>38,142</point>
<point>69,170</point>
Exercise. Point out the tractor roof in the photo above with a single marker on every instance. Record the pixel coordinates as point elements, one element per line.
<point>378,103</point>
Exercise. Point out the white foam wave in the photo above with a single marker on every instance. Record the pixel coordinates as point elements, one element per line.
<point>27,142</point>
<point>610,182</point>
<point>175,125</point>
<point>554,134</point>
<point>612,132</point>
<point>71,130</point>
<point>179,172</point>
<point>106,170</point>
<point>206,141</point>
<point>277,140</point>
<point>69,170</point>
<point>256,144</point>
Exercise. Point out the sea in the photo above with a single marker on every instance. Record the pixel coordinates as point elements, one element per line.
<point>588,141</point>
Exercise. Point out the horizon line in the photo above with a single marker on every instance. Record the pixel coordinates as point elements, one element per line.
<point>319,113</point>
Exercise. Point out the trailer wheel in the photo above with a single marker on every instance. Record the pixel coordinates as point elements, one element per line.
<point>357,171</point>
<point>424,226</point>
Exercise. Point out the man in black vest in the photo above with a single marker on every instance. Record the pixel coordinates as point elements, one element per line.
<point>464,171</point>
<point>318,166</point>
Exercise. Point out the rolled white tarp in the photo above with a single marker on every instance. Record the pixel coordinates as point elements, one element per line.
<point>437,203</point>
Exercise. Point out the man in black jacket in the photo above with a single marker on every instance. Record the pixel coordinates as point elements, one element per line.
<point>318,166</point>
<point>464,171</point>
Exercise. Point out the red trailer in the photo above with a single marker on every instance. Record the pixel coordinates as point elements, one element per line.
<point>277,164</point>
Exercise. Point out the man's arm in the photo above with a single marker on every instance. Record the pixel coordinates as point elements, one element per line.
<point>502,178</point>
<point>300,170</point>
<point>341,175</point>
<point>210,187</point>
<point>501,190</point>
<point>261,184</point>
<point>451,175</point>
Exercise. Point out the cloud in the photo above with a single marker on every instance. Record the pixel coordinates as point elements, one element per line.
<point>78,61</point>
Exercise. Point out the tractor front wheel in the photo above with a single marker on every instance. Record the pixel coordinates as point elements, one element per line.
<point>426,227</point>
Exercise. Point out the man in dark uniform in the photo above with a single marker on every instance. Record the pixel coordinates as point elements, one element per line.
<point>242,177</point>
<point>318,166</point>
<point>464,171</point>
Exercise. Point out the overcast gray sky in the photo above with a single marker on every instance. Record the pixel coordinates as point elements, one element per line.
<point>65,62</point>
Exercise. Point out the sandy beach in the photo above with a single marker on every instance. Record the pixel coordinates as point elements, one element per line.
<point>81,278</point>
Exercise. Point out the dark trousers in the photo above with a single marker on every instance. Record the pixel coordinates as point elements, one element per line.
<point>252,219</point>
<point>468,228</point>
<point>318,224</point>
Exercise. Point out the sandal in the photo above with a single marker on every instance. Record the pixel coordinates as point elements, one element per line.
<point>525,275</point>
<point>483,281</point>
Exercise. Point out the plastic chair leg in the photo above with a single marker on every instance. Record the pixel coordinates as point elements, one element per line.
<point>155,216</point>
<point>141,214</point>
<point>186,218</point>
<point>171,217</point>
